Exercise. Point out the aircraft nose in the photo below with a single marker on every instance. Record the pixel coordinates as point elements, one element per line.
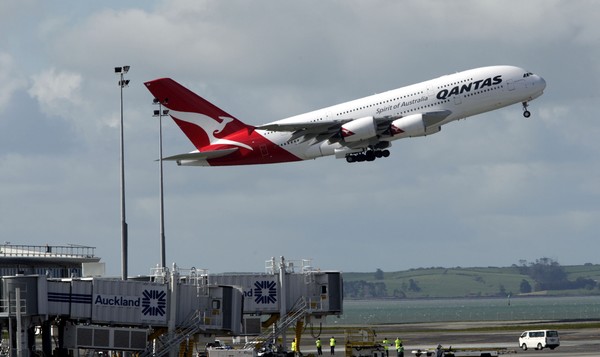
<point>542,82</point>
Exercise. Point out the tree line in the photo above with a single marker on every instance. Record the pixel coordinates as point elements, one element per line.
<point>543,274</point>
<point>549,275</point>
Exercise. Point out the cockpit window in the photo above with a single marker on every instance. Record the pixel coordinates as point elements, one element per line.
<point>527,74</point>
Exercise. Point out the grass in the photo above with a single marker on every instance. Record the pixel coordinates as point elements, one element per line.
<point>469,282</point>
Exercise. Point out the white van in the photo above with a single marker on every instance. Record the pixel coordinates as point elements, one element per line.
<point>539,339</point>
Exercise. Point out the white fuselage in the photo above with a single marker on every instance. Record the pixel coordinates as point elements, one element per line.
<point>463,94</point>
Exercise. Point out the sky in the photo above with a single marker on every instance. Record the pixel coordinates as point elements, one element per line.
<point>491,190</point>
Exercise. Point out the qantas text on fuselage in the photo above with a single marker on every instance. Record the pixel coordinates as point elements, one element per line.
<point>358,130</point>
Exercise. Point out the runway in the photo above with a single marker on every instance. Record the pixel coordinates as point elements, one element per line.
<point>574,341</point>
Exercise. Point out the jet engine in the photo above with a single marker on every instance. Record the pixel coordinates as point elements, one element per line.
<point>359,129</point>
<point>411,126</point>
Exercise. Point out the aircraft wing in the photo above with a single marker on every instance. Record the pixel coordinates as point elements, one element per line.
<point>201,155</point>
<point>322,130</point>
<point>295,126</point>
<point>330,130</point>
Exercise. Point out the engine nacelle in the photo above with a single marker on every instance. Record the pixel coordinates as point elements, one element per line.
<point>359,129</point>
<point>411,125</point>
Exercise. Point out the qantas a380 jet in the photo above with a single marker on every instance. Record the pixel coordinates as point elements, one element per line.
<point>359,130</point>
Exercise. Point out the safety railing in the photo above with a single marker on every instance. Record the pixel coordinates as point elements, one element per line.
<point>69,251</point>
<point>297,312</point>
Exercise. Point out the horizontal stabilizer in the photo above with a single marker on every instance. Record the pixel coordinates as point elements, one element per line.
<point>201,155</point>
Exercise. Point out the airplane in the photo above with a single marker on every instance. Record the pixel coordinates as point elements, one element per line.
<point>359,130</point>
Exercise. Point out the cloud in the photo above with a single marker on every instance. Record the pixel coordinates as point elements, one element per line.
<point>475,186</point>
<point>58,93</point>
<point>10,80</point>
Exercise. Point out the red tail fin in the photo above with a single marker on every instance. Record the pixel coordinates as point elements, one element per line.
<point>201,121</point>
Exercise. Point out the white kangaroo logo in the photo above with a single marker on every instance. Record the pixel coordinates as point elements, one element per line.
<point>209,125</point>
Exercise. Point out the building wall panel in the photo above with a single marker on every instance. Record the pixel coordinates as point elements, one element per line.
<point>58,300</point>
<point>129,302</point>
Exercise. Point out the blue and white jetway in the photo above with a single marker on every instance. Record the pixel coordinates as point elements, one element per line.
<point>113,314</point>
<point>289,292</point>
<point>124,302</point>
<point>283,284</point>
<point>168,307</point>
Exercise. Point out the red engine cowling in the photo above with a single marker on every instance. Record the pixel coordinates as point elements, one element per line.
<point>359,129</point>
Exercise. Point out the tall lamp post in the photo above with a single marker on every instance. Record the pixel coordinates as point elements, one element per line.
<point>122,84</point>
<point>160,113</point>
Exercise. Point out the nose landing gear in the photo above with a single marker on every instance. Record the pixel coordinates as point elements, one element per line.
<point>526,113</point>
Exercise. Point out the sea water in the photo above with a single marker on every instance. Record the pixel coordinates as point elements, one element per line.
<point>482,309</point>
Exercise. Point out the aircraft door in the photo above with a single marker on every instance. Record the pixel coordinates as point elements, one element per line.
<point>521,83</point>
<point>510,85</point>
<point>457,99</point>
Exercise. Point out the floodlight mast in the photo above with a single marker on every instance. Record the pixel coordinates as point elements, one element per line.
<point>122,84</point>
<point>160,113</point>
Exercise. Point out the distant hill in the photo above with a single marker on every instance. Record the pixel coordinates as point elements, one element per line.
<point>543,277</point>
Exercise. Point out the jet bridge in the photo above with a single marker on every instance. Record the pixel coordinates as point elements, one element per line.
<point>288,292</point>
<point>283,284</point>
<point>169,308</point>
<point>111,314</point>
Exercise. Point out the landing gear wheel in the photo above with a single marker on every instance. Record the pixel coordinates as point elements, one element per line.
<point>367,155</point>
<point>526,112</point>
<point>370,155</point>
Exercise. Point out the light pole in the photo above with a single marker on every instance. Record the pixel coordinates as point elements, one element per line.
<point>159,113</point>
<point>122,84</point>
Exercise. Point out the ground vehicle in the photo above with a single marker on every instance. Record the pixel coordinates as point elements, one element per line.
<point>218,345</point>
<point>539,339</point>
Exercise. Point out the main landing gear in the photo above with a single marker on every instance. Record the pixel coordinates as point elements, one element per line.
<point>369,155</point>
<point>526,113</point>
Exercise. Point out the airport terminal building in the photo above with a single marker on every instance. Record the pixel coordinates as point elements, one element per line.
<point>54,299</point>
<point>51,261</point>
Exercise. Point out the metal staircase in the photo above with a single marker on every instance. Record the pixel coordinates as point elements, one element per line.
<point>193,325</point>
<point>298,311</point>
